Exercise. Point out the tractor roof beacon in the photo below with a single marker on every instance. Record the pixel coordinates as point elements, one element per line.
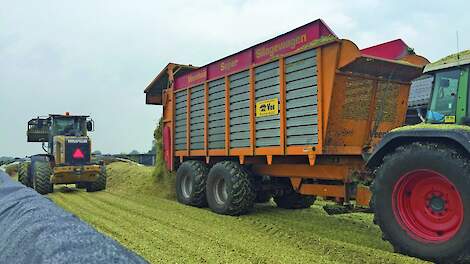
<point>420,191</point>
<point>68,154</point>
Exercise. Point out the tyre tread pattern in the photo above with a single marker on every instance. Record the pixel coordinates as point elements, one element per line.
<point>99,184</point>
<point>42,175</point>
<point>242,196</point>
<point>23,174</point>
<point>376,186</point>
<point>199,184</point>
<point>198,195</point>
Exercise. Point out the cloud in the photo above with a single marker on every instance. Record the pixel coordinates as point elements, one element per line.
<point>96,57</point>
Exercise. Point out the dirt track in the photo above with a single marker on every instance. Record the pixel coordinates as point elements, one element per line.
<point>162,230</point>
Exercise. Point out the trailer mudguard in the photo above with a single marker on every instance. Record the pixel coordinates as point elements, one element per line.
<point>459,137</point>
<point>35,230</point>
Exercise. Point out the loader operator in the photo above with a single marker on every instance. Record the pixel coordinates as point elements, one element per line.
<point>68,127</point>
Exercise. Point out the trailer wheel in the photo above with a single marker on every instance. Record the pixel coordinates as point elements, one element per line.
<point>263,196</point>
<point>81,185</point>
<point>191,179</point>
<point>294,200</point>
<point>230,189</point>
<point>42,177</point>
<point>422,202</point>
<point>99,184</point>
<point>24,175</point>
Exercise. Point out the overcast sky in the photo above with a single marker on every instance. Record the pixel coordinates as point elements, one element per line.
<point>96,56</point>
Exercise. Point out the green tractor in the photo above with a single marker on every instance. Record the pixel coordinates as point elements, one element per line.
<point>68,155</point>
<point>421,188</point>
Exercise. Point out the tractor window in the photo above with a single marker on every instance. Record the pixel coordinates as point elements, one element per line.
<point>444,96</point>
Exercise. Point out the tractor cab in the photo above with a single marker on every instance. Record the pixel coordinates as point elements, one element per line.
<point>449,102</point>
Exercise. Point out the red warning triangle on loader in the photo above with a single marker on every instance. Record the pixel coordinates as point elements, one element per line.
<point>78,154</point>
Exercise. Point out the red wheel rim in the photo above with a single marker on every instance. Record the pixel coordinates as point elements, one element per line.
<point>428,206</point>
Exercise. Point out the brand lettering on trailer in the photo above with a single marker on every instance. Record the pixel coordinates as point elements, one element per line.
<point>307,36</point>
<point>268,107</point>
<point>272,50</point>
<point>198,76</point>
<point>228,65</point>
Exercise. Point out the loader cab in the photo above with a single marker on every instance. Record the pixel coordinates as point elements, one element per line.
<point>450,102</point>
<point>70,125</point>
<point>69,143</point>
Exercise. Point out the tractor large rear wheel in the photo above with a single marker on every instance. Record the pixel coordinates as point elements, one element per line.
<point>42,177</point>
<point>422,203</point>
<point>24,175</point>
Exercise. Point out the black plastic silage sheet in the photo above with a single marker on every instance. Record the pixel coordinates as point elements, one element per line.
<point>34,230</point>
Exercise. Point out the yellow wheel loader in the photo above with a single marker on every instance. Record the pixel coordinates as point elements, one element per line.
<point>68,155</point>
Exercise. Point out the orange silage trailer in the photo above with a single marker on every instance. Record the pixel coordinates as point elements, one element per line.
<point>291,118</point>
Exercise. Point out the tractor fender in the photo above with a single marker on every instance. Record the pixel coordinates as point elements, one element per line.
<point>458,138</point>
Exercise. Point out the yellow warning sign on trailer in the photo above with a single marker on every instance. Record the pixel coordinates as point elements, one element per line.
<point>268,107</point>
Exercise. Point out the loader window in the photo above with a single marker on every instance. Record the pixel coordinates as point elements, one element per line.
<point>444,96</point>
<point>68,127</point>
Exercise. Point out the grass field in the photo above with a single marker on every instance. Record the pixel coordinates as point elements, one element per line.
<point>138,211</point>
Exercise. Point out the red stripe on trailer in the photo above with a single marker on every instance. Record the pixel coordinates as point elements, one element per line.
<point>258,54</point>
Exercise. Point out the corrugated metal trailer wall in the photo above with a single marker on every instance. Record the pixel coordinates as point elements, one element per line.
<point>239,104</point>
<point>196,120</point>
<point>267,87</point>
<point>216,118</point>
<point>180,120</point>
<point>301,99</point>
<point>301,122</point>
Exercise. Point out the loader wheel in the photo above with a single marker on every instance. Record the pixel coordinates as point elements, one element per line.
<point>99,184</point>
<point>230,189</point>
<point>294,200</point>
<point>42,177</point>
<point>23,174</point>
<point>191,183</point>
<point>422,202</point>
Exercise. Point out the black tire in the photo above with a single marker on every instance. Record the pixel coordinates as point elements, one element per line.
<point>99,184</point>
<point>42,177</point>
<point>230,189</point>
<point>81,185</point>
<point>443,163</point>
<point>24,175</point>
<point>263,197</point>
<point>191,179</point>
<point>294,200</point>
